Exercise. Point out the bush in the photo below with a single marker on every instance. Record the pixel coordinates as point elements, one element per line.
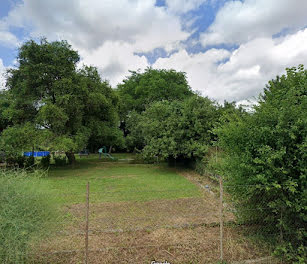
<point>212,164</point>
<point>60,161</point>
<point>18,161</point>
<point>2,156</point>
<point>177,130</point>
<point>29,162</point>
<point>45,161</point>
<point>201,166</point>
<point>268,149</point>
<point>27,214</point>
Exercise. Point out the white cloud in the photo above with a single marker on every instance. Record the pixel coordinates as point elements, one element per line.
<point>183,6</point>
<point>2,78</point>
<point>89,24</point>
<point>114,59</point>
<point>238,22</point>
<point>246,72</point>
<point>107,33</point>
<point>8,39</point>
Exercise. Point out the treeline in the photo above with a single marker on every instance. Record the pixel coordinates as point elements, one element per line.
<point>164,120</point>
<point>52,104</point>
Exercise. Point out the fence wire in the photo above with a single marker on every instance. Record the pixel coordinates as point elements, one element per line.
<point>239,223</point>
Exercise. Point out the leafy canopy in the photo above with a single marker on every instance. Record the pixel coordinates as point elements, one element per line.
<point>139,90</point>
<point>71,105</point>
<point>175,129</point>
<point>4,104</point>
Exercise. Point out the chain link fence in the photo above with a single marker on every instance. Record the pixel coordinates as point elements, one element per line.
<point>211,228</point>
<point>256,220</point>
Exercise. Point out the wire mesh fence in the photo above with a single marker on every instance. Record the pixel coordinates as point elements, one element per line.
<point>256,219</point>
<point>224,223</point>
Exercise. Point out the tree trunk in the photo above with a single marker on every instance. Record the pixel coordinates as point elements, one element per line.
<point>71,157</point>
<point>110,149</point>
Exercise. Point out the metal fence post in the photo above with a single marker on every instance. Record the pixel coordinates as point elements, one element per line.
<point>221,218</point>
<point>86,221</point>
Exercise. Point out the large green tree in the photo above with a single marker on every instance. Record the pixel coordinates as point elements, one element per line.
<point>69,106</point>
<point>267,153</point>
<point>139,90</point>
<point>176,129</point>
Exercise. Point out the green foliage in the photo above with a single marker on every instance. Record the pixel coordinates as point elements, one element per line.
<point>16,160</point>
<point>135,140</point>
<point>268,149</point>
<point>177,129</point>
<point>211,164</point>
<point>45,161</point>
<point>27,213</point>
<point>4,104</point>
<point>140,90</point>
<point>292,254</point>
<point>16,139</point>
<point>29,162</point>
<point>60,160</point>
<point>66,108</point>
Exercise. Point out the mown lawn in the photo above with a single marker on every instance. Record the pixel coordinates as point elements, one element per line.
<point>118,181</point>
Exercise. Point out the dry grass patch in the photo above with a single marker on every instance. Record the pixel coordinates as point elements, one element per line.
<point>176,245</point>
<point>179,230</point>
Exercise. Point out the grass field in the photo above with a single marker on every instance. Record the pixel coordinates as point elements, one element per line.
<point>118,181</point>
<point>139,213</point>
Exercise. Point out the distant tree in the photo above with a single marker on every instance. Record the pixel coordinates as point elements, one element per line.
<point>228,111</point>
<point>178,129</point>
<point>135,139</point>
<point>230,108</point>
<point>267,150</point>
<point>73,106</point>
<point>140,90</point>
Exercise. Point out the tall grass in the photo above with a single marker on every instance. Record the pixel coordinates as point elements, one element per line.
<point>27,214</point>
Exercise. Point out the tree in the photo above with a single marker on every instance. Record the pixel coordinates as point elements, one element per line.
<point>72,106</point>
<point>178,129</point>
<point>135,140</point>
<point>4,104</point>
<point>268,149</point>
<point>18,138</point>
<point>140,90</point>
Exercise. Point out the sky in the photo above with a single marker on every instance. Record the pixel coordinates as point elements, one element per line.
<point>228,49</point>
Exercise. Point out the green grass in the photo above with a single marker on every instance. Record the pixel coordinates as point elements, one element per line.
<point>118,181</point>
<point>27,213</point>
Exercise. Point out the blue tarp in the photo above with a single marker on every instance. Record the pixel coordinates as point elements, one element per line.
<point>36,153</point>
